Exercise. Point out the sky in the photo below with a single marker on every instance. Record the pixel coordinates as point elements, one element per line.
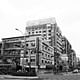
<point>16,13</point>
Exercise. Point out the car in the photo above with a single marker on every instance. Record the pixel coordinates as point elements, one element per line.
<point>75,71</point>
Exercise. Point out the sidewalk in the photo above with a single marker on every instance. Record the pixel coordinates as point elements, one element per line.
<point>17,77</point>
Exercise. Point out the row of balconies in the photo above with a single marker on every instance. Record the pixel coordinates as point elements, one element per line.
<point>45,47</point>
<point>45,62</point>
<point>16,45</point>
<point>47,55</point>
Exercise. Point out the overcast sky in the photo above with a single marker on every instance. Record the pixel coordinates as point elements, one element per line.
<point>15,14</point>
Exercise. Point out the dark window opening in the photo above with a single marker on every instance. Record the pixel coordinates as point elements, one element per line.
<point>26,52</point>
<point>32,32</point>
<point>32,60</point>
<point>27,44</point>
<point>28,32</point>
<point>26,60</point>
<point>33,44</point>
<point>49,34</point>
<point>49,30</point>
<point>39,31</point>
<point>42,54</point>
<point>42,61</point>
<point>49,38</point>
<point>44,31</point>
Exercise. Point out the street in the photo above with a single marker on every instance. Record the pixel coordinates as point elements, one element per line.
<point>50,76</point>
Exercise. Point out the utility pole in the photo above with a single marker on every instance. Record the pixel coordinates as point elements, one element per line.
<point>24,48</point>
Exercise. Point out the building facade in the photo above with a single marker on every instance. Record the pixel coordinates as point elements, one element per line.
<point>43,27</point>
<point>0,47</point>
<point>50,32</point>
<point>23,52</point>
<point>67,49</point>
<point>64,45</point>
<point>72,60</point>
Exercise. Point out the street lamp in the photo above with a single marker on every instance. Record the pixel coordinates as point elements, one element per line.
<point>24,47</point>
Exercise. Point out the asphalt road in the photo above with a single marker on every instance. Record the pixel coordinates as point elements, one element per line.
<point>51,76</point>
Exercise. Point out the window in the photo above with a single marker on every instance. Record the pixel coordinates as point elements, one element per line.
<point>45,61</point>
<point>48,25</point>
<point>48,49</point>
<point>42,54</point>
<point>32,60</point>
<point>49,38</point>
<point>49,30</point>
<point>45,55</point>
<point>44,35</point>
<point>32,32</point>
<point>42,47</point>
<point>26,44</point>
<point>16,45</point>
<point>44,31</point>
<point>39,31</point>
<point>49,42</point>
<point>26,60</point>
<point>42,61</point>
<point>49,34</point>
<point>36,28</point>
<point>48,55</point>
<point>32,52</point>
<point>26,52</point>
<point>45,47</point>
<point>36,31</point>
<point>28,32</point>
<point>44,26</point>
<point>32,29</point>
<point>32,44</point>
<point>48,61</point>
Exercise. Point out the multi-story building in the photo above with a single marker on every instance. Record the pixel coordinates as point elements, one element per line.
<point>18,50</point>
<point>67,49</point>
<point>46,53</point>
<point>64,62</point>
<point>72,60</point>
<point>11,48</point>
<point>0,47</point>
<point>50,32</point>
<point>43,27</point>
<point>64,45</point>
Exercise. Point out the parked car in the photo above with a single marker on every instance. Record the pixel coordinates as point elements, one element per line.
<point>75,71</point>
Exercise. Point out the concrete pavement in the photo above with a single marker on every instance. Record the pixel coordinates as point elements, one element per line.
<point>51,76</point>
<point>62,76</point>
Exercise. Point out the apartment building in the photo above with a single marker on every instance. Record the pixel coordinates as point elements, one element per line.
<point>18,50</point>
<point>42,27</point>
<point>0,47</point>
<point>72,60</point>
<point>67,49</point>
<point>50,32</point>
<point>46,53</point>
<point>64,45</point>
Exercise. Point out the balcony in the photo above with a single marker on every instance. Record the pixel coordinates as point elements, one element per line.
<point>11,55</point>
<point>15,48</point>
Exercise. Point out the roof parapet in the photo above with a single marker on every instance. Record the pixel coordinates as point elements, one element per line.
<point>41,21</point>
